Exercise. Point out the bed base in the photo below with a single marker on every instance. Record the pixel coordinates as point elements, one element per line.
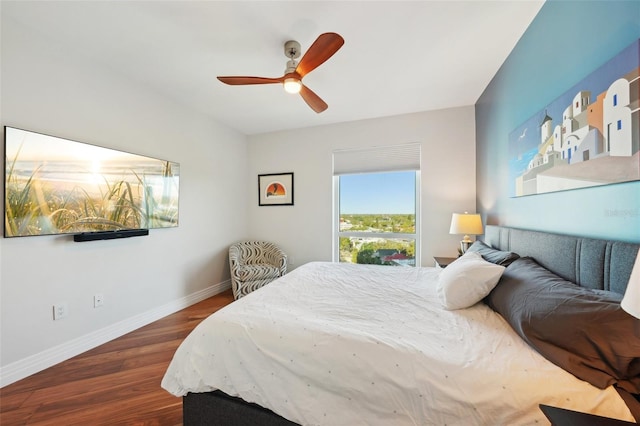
<point>218,408</point>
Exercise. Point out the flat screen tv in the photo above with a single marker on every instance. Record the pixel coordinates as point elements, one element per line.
<point>58,186</point>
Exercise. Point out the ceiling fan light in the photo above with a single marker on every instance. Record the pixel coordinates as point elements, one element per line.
<point>292,85</point>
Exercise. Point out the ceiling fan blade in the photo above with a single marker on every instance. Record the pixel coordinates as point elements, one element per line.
<point>235,81</point>
<point>313,100</point>
<point>322,49</point>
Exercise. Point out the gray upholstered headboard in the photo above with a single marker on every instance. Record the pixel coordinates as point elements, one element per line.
<point>588,262</point>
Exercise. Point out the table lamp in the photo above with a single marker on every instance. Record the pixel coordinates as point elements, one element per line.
<point>466,224</point>
<point>631,300</point>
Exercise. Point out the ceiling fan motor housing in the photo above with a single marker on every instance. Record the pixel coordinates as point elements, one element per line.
<point>291,66</point>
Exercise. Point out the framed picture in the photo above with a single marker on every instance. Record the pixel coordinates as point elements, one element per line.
<point>587,137</point>
<point>275,189</point>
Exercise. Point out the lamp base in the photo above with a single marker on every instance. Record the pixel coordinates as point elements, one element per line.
<point>464,246</point>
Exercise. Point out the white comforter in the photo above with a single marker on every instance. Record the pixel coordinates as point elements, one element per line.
<point>340,344</point>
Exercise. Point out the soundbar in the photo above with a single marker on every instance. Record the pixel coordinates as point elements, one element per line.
<point>109,235</point>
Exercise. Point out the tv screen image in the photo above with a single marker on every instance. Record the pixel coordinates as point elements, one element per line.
<point>58,186</point>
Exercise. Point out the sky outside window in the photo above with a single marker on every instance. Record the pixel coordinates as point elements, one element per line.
<point>378,193</point>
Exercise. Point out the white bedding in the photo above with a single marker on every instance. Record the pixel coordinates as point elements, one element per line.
<point>341,344</point>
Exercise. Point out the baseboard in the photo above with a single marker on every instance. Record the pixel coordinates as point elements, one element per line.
<point>18,370</point>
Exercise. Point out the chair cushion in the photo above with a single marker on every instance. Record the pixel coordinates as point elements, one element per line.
<point>257,272</point>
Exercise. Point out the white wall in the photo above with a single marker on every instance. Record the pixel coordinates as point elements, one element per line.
<point>47,89</point>
<point>305,229</point>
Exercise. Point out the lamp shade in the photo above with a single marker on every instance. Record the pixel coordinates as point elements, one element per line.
<point>466,224</point>
<point>631,300</point>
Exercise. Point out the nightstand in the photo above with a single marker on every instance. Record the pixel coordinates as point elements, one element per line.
<point>563,417</point>
<point>443,262</point>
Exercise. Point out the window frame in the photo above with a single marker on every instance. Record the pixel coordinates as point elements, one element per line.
<point>336,234</point>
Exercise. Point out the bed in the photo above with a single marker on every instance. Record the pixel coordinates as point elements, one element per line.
<point>340,344</point>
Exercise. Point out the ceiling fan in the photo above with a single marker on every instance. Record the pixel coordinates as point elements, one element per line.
<point>322,49</point>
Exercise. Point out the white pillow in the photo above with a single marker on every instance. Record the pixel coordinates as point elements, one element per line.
<point>467,280</point>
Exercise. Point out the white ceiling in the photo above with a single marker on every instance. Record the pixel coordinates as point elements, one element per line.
<point>398,57</point>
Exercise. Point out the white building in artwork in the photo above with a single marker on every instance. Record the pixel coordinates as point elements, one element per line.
<point>606,127</point>
<point>574,129</point>
<point>618,117</point>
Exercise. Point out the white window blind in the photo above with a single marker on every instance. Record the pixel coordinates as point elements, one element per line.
<point>393,158</point>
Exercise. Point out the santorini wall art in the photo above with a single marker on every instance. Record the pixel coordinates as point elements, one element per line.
<point>587,137</point>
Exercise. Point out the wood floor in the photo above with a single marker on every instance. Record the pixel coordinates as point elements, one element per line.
<point>117,383</point>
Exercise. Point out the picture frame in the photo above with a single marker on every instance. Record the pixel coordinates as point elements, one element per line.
<point>275,189</point>
<point>587,137</point>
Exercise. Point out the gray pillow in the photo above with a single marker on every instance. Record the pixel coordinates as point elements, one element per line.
<point>584,331</point>
<point>492,255</point>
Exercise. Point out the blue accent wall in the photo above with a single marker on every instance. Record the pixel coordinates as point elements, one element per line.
<point>565,42</point>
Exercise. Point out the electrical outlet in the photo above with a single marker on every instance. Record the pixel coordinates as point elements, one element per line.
<point>60,310</point>
<point>98,300</point>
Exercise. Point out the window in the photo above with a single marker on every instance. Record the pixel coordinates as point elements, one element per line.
<point>376,209</point>
<point>619,124</point>
<point>615,100</point>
